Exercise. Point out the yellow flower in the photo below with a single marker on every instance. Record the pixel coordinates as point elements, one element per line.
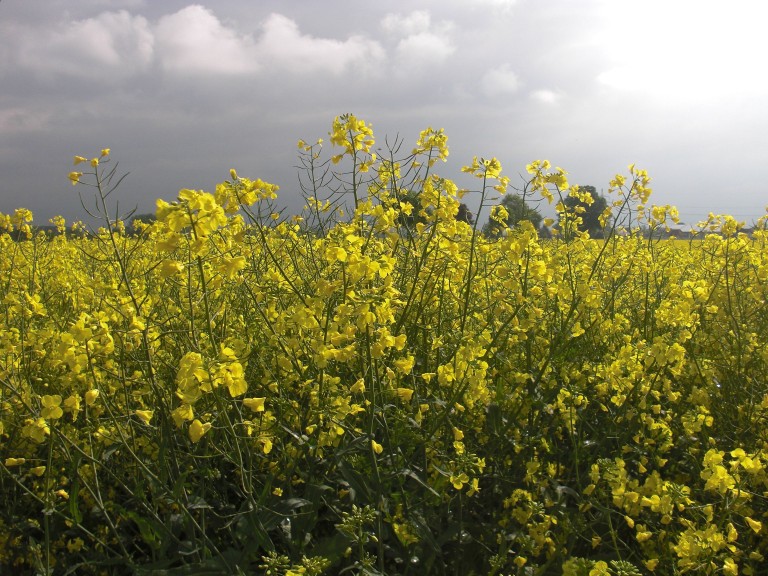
<point>730,567</point>
<point>405,365</point>
<point>104,152</point>
<point>474,487</point>
<point>51,407</point>
<point>254,404</point>
<point>144,415</point>
<point>378,448</point>
<point>78,160</point>
<point>94,162</point>
<point>36,430</point>
<point>60,223</point>
<point>459,481</point>
<point>335,253</point>
<point>643,535</point>
<point>91,396</point>
<point>231,266</point>
<point>754,524</point>
<point>183,413</point>
<point>170,268</point>
<point>197,429</point>
<point>405,394</point>
<point>718,479</point>
<point>10,462</point>
<point>75,177</point>
<point>38,470</point>
<point>358,387</point>
<point>492,168</point>
<point>651,564</point>
<point>431,140</point>
<point>232,375</point>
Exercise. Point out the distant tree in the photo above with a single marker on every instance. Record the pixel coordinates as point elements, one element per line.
<point>464,215</point>
<point>517,210</point>
<point>409,221</point>
<point>415,216</point>
<point>145,218</point>
<point>590,216</point>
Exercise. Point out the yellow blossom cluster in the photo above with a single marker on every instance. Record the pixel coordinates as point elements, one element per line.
<point>226,389</point>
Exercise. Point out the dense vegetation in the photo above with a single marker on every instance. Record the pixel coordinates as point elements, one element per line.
<point>376,387</point>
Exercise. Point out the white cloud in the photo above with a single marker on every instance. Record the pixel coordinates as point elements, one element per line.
<point>546,96</point>
<point>18,120</point>
<point>117,4</point>
<point>194,41</point>
<point>710,51</point>
<point>503,4</point>
<point>416,22</point>
<point>421,43</point>
<point>112,43</point>
<point>424,48</point>
<point>619,77</point>
<point>500,81</point>
<point>282,46</point>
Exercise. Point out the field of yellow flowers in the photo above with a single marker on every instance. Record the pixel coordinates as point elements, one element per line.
<point>375,387</point>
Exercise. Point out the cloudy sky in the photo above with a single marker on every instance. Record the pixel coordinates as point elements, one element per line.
<point>182,91</point>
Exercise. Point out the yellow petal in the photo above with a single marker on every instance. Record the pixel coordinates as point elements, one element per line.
<point>754,524</point>
<point>254,404</point>
<point>197,429</point>
<point>144,415</point>
<point>91,396</point>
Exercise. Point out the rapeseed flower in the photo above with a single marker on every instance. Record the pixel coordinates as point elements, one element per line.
<point>197,430</point>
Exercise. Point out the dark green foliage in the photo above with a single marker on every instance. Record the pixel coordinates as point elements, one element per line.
<point>590,213</point>
<point>518,210</point>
